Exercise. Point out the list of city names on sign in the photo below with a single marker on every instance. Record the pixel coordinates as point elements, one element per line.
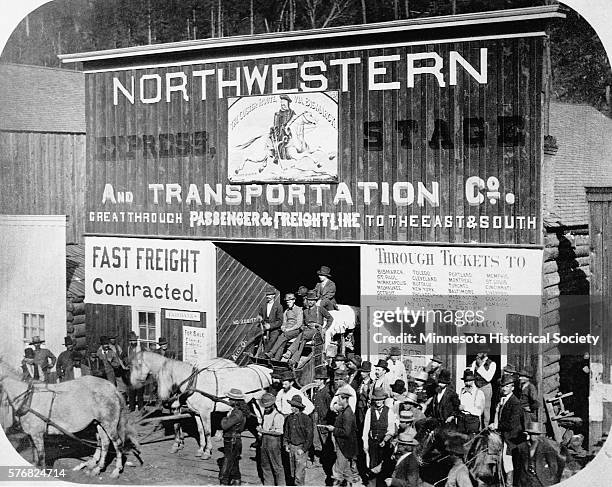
<point>451,277</point>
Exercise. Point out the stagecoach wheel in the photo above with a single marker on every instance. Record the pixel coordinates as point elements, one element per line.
<point>309,390</point>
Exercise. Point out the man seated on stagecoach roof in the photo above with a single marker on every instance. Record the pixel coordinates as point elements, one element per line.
<point>301,296</point>
<point>30,371</point>
<point>43,358</point>
<point>279,132</point>
<point>270,316</point>
<point>314,319</point>
<point>444,405</point>
<point>293,318</point>
<point>326,289</point>
<point>287,392</point>
<point>397,369</point>
<point>472,404</point>
<point>64,361</point>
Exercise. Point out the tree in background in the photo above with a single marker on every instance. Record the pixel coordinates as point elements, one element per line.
<point>581,71</point>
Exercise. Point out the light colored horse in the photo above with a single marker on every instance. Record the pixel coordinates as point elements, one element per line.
<point>216,377</point>
<point>262,148</point>
<point>72,406</point>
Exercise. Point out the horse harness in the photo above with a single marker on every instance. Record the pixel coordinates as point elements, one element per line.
<point>26,407</point>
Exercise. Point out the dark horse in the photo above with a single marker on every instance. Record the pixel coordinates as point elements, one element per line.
<point>433,459</point>
<point>482,459</point>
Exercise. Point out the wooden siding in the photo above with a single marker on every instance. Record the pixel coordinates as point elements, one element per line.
<point>44,174</point>
<point>513,89</point>
<point>239,295</point>
<point>107,319</point>
<point>600,229</point>
<point>172,329</point>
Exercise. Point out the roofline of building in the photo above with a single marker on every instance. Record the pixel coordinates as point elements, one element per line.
<point>543,13</point>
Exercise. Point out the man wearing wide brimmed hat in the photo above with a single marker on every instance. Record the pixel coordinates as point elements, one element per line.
<point>109,359</point>
<point>397,369</point>
<point>233,426</point>
<point>472,404</point>
<point>288,391</point>
<point>297,437</point>
<point>484,369</point>
<point>528,394</point>
<point>406,472</point>
<point>444,405</point>
<point>43,357</point>
<point>538,464</point>
<point>406,423</point>
<point>379,428</point>
<point>30,371</point>
<point>162,348</point>
<point>509,421</point>
<point>322,415</point>
<point>63,365</point>
<point>341,382</point>
<point>279,132</point>
<point>293,319</point>
<point>326,289</point>
<point>271,432</point>
<point>459,475</point>
<point>417,384</point>
<point>410,402</point>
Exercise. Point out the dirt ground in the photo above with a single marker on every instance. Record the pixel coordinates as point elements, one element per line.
<point>160,466</point>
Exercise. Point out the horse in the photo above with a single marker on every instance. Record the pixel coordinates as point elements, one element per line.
<point>211,380</point>
<point>484,457</point>
<point>434,462</point>
<point>263,147</point>
<point>71,407</point>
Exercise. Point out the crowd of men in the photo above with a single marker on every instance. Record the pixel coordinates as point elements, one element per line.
<point>109,361</point>
<point>362,424</point>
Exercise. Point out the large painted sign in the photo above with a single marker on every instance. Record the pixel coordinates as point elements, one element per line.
<point>283,138</point>
<point>148,272</point>
<point>420,142</point>
<point>415,296</point>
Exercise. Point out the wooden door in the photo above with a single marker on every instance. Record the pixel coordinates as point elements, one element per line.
<point>172,324</point>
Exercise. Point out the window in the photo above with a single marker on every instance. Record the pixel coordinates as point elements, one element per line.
<point>147,330</point>
<point>33,325</point>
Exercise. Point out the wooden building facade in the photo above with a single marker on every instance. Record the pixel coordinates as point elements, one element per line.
<point>420,136</point>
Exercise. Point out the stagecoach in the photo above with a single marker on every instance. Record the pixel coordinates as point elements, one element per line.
<point>315,352</point>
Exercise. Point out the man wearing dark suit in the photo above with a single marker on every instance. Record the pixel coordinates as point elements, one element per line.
<point>270,314</point>
<point>326,289</point>
<point>509,421</point>
<point>444,405</point>
<point>538,464</point>
<point>406,472</point>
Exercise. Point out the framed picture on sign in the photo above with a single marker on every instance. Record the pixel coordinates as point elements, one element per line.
<point>283,138</point>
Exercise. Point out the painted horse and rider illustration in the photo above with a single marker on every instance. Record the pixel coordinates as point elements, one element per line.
<point>287,149</point>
